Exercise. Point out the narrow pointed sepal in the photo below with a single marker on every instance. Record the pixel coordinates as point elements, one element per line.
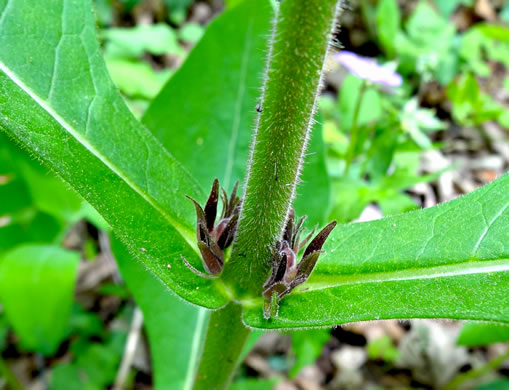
<point>319,240</point>
<point>211,205</point>
<point>306,267</point>
<point>212,261</point>
<point>226,237</point>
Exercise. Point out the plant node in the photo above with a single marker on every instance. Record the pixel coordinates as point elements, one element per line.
<point>286,273</point>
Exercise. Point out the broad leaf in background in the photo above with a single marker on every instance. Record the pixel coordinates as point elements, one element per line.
<point>371,106</point>
<point>388,21</point>
<point>4,330</point>
<point>212,107</point>
<point>133,42</point>
<point>147,82</point>
<point>383,348</point>
<point>307,347</point>
<point>471,106</point>
<point>175,328</point>
<point>427,45</point>
<point>478,334</point>
<point>35,206</point>
<point>255,384</point>
<point>178,9</point>
<point>94,367</point>
<point>20,221</point>
<point>57,99</point>
<point>36,291</point>
<point>448,261</point>
<point>447,7</point>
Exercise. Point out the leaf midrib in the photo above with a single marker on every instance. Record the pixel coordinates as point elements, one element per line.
<point>324,281</point>
<point>183,231</point>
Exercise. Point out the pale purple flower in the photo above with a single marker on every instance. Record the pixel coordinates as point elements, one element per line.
<point>368,69</point>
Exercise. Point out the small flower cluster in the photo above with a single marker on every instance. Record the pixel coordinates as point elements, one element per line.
<point>213,238</point>
<point>286,273</point>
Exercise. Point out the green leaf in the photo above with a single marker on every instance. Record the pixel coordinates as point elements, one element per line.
<point>20,219</point>
<point>371,106</point>
<point>136,79</point>
<point>447,7</point>
<point>428,48</point>
<point>175,328</point>
<point>388,20</point>
<point>448,261</point>
<point>4,330</point>
<point>178,9</point>
<point>501,384</point>
<point>94,368</point>
<point>255,384</point>
<point>68,376</point>
<point>191,32</point>
<point>314,193</point>
<point>57,99</point>
<point>156,39</point>
<point>85,323</point>
<point>474,334</point>
<point>213,107</point>
<point>36,290</point>
<point>494,31</point>
<point>307,346</point>
<point>31,189</point>
<point>32,226</point>
<point>470,106</point>
<point>383,348</point>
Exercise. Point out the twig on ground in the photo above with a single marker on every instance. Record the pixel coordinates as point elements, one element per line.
<point>130,349</point>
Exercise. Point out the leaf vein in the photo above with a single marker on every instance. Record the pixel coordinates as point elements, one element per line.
<point>57,51</point>
<point>4,12</point>
<point>185,233</point>
<point>487,229</point>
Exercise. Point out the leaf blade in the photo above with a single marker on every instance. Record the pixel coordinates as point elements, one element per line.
<point>420,264</point>
<point>78,123</point>
<point>36,290</point>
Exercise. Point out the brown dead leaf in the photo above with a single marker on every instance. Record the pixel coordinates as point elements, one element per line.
<point>484,9</point>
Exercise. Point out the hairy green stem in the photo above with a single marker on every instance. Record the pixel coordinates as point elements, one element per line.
<point>224,342</point>
<point>297,52</point>
<point>354,131</point>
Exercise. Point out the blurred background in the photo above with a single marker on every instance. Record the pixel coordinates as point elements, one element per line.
<point>415,114</point>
